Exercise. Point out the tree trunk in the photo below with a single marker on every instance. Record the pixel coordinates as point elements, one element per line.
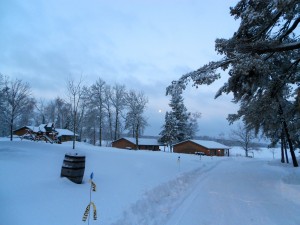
<point>285,151</point>
<point>133,131</point>
<point>137,137</point>
<point>74,129</point>
<point>294,159</point>
<point>110,125</point>
<point>94,141</point>
<point>74,137</point>
<point>287,135</point>
<point>11,128</point>
<point>116,125</point>
<point>100,130</point>
<point>282,147</point>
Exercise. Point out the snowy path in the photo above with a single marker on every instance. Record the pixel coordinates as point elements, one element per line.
<point>230,193</point>
<point>220,192</point>
<point>157,204</point>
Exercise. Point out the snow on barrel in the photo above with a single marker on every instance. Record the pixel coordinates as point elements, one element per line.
<point>73,167</point>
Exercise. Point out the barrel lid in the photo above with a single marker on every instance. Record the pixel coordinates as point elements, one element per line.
<point>75,154</point>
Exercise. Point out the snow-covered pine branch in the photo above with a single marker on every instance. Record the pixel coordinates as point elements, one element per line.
<point>262,59</point>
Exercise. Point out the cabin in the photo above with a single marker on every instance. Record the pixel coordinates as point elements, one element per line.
<point>43,132</point>
<point>203,147</point>
<point>64,135</point>
<point>46,132</point>
<point>143,144</point>
<point>29,130</point>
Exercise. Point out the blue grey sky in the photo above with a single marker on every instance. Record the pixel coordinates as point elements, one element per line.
<point>144,44</point>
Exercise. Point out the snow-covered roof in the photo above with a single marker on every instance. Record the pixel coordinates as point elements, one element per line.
<point>41,128</point>
<point>37,129</point>
<point>49,125</point>
<point>143,141</point>
<point>60,132</point>
<point>66,132</point>
<point>208,144</point>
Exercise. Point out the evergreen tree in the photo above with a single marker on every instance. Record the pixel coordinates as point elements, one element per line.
<point>179,124</point>
<point>181,116</point>
<point>169,132</point>
<point>262,59</point>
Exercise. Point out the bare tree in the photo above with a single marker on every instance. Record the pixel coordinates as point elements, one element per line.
<point>96,100</point>
<point>75,94</point>
<point>90,125</point>
<point>63,111</point>
<point>118,101</point>
<point>41,108</point>
<point>108,107</point>
<point>3,122</point>
<point>135,121</point>
<point>57,111</point>
<point>244,137</point>
<point>27,116</point>
<point>193,124</point>
<point>273,151</point>
<point>16,95</point>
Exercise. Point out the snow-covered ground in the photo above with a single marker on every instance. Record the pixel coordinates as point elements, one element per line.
<point>146,188</point>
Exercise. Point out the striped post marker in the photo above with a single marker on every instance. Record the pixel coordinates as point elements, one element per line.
<point>87,211</point>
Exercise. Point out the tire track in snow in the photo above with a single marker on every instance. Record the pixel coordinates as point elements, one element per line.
<point>160,203</point>
<point>189,197</point>
<point>237,192</point>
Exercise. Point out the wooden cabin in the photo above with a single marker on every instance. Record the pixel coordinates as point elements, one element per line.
<point>130,143</point>
<point>23,130</point>
<point>209,148</point>
<point>64,135</point>
<point>45,132</point>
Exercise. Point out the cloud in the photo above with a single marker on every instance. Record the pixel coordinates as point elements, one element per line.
<point>142,44</point>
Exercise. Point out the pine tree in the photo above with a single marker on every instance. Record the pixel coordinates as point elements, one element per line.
<point>262,59</point>
<point>179,124</point>
<point>181,116</point>
<point>169,132</point>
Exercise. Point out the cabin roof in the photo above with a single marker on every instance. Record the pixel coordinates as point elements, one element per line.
<point>142,141</point>
<point>41,128</point>
<point>64,132</point>
<point>207,144</point>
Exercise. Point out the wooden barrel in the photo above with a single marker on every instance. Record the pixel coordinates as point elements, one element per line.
<point>73,168</point>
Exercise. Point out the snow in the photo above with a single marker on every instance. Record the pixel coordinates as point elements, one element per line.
<point>145,187</point>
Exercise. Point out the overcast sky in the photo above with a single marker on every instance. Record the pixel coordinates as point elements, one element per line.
<point>144,44</point>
